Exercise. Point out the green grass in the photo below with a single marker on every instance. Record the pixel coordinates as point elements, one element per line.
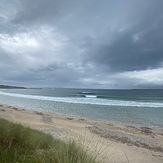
<point>19,144</point>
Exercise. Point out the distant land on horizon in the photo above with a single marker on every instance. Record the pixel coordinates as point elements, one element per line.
<point>11,87</point>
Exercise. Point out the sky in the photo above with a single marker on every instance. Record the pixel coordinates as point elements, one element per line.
<point>112,44</point>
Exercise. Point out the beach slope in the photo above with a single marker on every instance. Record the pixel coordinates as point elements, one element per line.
<point>111,142</point>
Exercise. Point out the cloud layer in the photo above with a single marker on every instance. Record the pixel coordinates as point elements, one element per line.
<point>88,44</point>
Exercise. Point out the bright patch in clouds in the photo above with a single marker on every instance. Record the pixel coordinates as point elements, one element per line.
<point>149,76</point>
<point>18,43</point>
<point>35,39</point>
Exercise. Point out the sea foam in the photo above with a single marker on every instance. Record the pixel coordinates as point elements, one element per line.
<point>91,99</point>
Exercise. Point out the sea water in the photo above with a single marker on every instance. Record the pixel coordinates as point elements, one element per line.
<point>129,107</point>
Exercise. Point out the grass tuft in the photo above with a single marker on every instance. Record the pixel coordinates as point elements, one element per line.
<point>19,144</point>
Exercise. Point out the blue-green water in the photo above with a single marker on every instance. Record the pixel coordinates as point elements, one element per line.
<point>131,107</point>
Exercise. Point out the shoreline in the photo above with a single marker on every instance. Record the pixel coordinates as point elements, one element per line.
<point>120,143</point>
<point>87,118</point>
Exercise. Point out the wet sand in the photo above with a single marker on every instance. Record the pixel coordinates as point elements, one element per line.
<point>111,142</point>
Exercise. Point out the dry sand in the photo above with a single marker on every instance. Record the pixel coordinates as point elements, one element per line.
<point>112,143</point>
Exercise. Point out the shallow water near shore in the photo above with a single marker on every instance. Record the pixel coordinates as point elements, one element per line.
<point>130,107</point>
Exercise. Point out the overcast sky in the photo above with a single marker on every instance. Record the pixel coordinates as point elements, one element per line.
<point>82,43</point>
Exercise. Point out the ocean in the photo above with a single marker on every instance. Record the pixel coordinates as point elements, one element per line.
<point>128,107</point>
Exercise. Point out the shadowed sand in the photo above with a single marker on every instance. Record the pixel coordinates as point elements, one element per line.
<point>113,143</point>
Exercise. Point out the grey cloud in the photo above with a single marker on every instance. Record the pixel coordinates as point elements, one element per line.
<point>35,10</point>
<point>79,43</point>
<point>126,53</point>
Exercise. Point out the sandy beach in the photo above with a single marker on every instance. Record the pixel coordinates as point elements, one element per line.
<point>111,142</point>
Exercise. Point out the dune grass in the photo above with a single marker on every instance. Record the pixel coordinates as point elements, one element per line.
<point>19,144</point>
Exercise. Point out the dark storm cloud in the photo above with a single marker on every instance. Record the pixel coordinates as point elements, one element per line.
<point>127,54</point>
<point>35,10</point>
<point>71,43</point>
<point>138,47</point>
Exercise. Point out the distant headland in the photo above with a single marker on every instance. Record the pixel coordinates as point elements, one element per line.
<point>11,87</point>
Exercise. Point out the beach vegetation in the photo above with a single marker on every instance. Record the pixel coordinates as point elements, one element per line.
<point>20,144</point>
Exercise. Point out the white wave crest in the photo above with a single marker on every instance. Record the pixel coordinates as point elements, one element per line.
<point>91,96</point>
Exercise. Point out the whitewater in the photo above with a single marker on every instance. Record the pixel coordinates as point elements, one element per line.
<point>92,100</point>
<point>129,107</point>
